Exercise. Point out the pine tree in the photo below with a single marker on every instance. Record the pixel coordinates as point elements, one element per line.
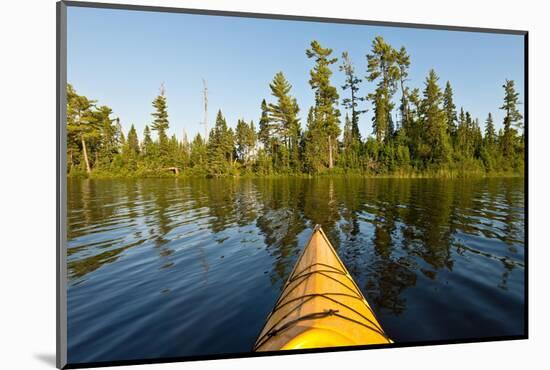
<point>465,135</point>
<point>511,101</point>
<point>241,139</point>
<point>350,146</point>
<point>252,140</point>
<point>490,134</point>
<point>264,133</point>
<point>512,117</point>
<point>229,146</point>
<point>413,130</point>
<point>82,124</point>
<point>185,151</point>
<point>245,138</point>
<point>470,141</point>
<point>198,154</point>
<point>284,115</point>
<point>477,139</point>
<point>314,144</point>
<point>174,155</point>
<point>434,121</point>
<point>130,150</point>
<point>133,141</point>
<point>382,66</point>
<point>110,139</point>
<point>403,62</point>
<point>220,147</point>
<point>326,97</point>
<point>160,123</point>
<point>352,103</point>
<point>147,145</point>
<point>382,116</point>
<point>450,110</point>
<point>488,152</point>
<point>462,133</point>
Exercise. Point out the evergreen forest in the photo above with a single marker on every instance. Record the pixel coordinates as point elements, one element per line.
<point>415,132</point>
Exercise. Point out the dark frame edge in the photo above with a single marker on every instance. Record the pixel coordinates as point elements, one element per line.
<point>61,107</point>
<point>526,181</point>
<point>226,13</point>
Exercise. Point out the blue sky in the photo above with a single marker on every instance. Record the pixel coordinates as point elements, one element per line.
<point>121,57</point>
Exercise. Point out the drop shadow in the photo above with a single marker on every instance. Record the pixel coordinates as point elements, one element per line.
<point>46,358</point>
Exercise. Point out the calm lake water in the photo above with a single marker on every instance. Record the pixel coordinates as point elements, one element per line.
<point>172,267</point>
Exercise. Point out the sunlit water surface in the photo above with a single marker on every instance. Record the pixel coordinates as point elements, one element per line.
<point>172,267</point>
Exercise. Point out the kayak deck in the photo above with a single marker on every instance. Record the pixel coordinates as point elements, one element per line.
<point>320,305</point>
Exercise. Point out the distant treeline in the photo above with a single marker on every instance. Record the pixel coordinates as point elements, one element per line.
<point>427,137</point>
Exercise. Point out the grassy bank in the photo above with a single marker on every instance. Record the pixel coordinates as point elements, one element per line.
<point>400,174</point>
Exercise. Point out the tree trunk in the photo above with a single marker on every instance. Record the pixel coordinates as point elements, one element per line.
<point>70,160</point>
<point>88,170</point>
<point>404,102</point>
<point>330,152</point>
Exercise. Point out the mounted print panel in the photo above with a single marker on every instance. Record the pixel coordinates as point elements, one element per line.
<point>235,185</point>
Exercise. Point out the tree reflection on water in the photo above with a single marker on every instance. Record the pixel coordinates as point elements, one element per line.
<point>391,233</point>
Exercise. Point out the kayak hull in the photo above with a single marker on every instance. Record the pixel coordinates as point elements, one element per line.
<point>320,305</point>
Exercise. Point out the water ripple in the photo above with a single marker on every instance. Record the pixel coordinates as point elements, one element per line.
<point>198,264</point>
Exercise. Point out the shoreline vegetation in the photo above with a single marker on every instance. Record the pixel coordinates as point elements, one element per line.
<point>439,174</point>
<point>415,133</point>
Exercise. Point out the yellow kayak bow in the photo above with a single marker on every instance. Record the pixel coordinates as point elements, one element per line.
<point>320,305</point>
